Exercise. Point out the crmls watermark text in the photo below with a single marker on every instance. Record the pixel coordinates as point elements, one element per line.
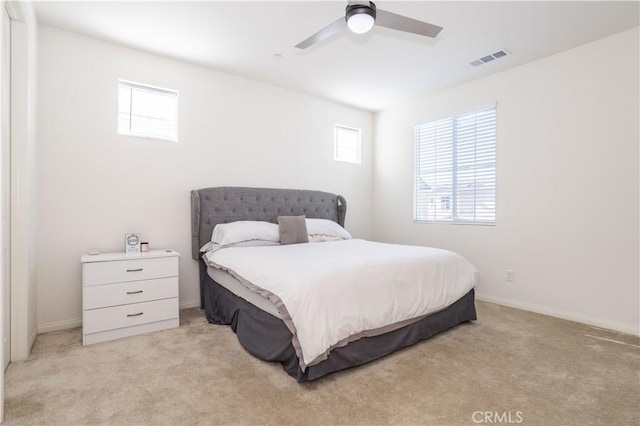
<point>495,417</point>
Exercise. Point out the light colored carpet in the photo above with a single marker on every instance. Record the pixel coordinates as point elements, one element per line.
<point>517,366</point>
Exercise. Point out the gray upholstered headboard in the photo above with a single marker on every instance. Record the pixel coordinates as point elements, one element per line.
<point>210,206</point>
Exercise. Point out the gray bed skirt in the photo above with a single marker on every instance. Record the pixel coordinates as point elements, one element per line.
<point>269,339</point>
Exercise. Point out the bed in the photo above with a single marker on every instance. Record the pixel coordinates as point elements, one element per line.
<point>259,324</point>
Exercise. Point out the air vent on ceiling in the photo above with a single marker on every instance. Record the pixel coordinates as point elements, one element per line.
<point>496,55</point>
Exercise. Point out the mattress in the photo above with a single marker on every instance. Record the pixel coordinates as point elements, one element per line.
<point>268,338</point>
<point>229,282</point>
<point>332,293</point>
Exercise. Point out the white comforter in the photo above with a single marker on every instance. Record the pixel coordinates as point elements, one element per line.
<point>335,292</point>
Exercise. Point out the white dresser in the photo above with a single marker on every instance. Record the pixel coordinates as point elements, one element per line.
<point>125,295</point>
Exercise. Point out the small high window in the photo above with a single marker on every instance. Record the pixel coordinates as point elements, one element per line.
<point>147,111</point>
<point>347,144</point>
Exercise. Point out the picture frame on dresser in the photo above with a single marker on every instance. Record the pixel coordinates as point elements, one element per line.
<point>125,296</point>
<point>132,244</point>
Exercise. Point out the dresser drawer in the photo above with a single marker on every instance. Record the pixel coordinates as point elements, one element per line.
<point>97,273</point>
<point>101,296</point>
<point>97,320</point>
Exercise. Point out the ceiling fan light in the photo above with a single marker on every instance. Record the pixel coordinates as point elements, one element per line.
<point>360,23</point>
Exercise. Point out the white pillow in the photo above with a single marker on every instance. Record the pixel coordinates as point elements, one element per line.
<point>326,227</point>
<point>225,234</point>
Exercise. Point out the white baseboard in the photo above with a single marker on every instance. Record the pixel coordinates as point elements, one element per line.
<point>189,304</point>
<point>72,323</point>
<point>610,325</point>
<point>59,325</point>
<point>32,340</point>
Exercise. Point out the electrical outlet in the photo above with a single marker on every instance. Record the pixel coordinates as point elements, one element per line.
<point>508,275</point>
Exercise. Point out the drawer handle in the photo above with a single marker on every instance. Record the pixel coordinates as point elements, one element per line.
<point>134,270</point>
<point>135,292</point>
<point>135,315</point>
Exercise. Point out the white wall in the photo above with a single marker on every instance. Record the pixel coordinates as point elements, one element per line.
<point>24,42</point>
<point>567,218</point>
<point>95,186</point>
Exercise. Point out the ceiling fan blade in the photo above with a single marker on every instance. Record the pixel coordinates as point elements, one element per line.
<point>408,25</point>
<point>324,33</point>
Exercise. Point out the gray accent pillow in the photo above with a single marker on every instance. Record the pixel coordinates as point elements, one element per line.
<point>293,229</point>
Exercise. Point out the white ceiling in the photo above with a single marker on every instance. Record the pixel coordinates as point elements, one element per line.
<point>371,71</point>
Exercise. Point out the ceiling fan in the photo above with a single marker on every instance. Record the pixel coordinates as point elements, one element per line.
<point>360,18</point>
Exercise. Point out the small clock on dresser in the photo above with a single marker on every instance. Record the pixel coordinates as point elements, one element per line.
<point>124,296</point>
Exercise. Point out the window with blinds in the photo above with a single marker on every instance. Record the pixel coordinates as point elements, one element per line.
<point>347,144</point>
<point>455,168</point>
<point>147,112</point>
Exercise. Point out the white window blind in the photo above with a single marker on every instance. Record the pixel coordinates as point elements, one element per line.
<point>347,144</point>
<point>147,112</point>
<point>455,168</point>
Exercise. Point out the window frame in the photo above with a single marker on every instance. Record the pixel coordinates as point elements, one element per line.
<point>335,143</point>
<point>453,117</point>
<point>151,88</point>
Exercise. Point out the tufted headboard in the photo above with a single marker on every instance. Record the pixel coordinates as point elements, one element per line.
<point>210,206</point>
